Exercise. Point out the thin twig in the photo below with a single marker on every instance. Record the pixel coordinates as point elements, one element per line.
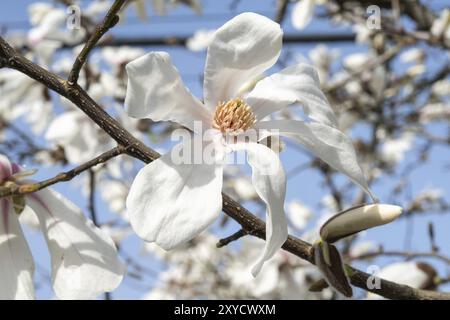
<point>91,200</point>
<point>110,21</point>
<point>64,176</point>
<point>235,236</point>
<point>281,11</point>
<point>93,211</point>
<point>408,255</point>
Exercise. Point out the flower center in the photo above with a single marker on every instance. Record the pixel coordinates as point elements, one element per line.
<point>233,116</point>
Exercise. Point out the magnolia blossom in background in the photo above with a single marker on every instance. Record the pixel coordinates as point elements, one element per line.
<point>303,12</point>
<point>49,25</point>
<point>441,26</point>
<point>197,270</point>
<point>81,138</point>
<point>160,7</point>
<point>394,150</point>
<point>299,214</point>
<point>200,40</point>
<point>21,96</point>
<point>84,259</point>
<point>166,197</point>
<point>414,274</point>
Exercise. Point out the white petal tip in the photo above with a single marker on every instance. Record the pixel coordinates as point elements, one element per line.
<point>389,212</point>
<point>358,218</point>
<point>256,269</point>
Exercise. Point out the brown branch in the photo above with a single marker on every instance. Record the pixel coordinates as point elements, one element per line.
<point>110,21</point>
<point>64,176</point>
<point>235,236</point>
<point>233,209</point>
<point>409,255</point>
<point>91,200</point>
<point>117,41</point>
<point>281,11</point>
<point>93,211</point>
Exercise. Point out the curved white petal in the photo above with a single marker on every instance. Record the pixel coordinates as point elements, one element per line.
<point>302,13</point>
<point>327,143</point>
<point>297,83</point>
<point>270,183</point>
<point>170,203</point>
<point>241,49</point>
<point>156,91</point>
<point>84,259</point>
<point>16,261</point>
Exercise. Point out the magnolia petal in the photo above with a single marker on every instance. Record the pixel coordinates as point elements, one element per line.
<point>359,218</point>
<point>302,13</point>
<point>241,49</point>
<point>156,91</point>
<point>16,261</point>
<point>5,168</point>
<point>269,180</point>
<point>170,203</point>
<point>84,259</point>
<point>327,143</point>
<point>297,83</point>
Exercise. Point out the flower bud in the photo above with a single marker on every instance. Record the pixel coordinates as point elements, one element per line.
<point>356,219</point>
<point>329,262</point>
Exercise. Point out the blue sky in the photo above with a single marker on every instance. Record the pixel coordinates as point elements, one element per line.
<point>305,186</point>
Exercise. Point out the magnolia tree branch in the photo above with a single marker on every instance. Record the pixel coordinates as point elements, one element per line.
<point>110,21</point>
<point>235,236</point>
<point>408,255</point>
<point>137,149</point>
<point>64,176</point>
<point>117,41</point>
<point>281,11</point>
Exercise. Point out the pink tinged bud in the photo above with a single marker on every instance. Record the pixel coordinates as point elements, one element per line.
<point>358,218</point>
<point>5,168</point>
<point>15,168</point>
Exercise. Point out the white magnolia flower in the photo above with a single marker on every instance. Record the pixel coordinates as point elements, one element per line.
<point>361,248</point>
<point>303,12</point>
<point>21,96</point>
<point>84,259</point>
<point>299,214</point>
<point>356,61</point>
<point>441,88</point>
<point>413,55</point>
<point>160,7</point>
<point>37,12</point>
<point>283,277</point>
<point>200,40</point>
<point>414,274</point>
<point>97,9</point>
<point>118,57</point>
<point>441,26</point>
<point>244,189</point>
<point>434,112</point>
<point>114,193</point>
<point>393,150</point>
<point>49,24</point>
<point>170,203</point>
<point>323,57</point>
<point>81,139</point>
